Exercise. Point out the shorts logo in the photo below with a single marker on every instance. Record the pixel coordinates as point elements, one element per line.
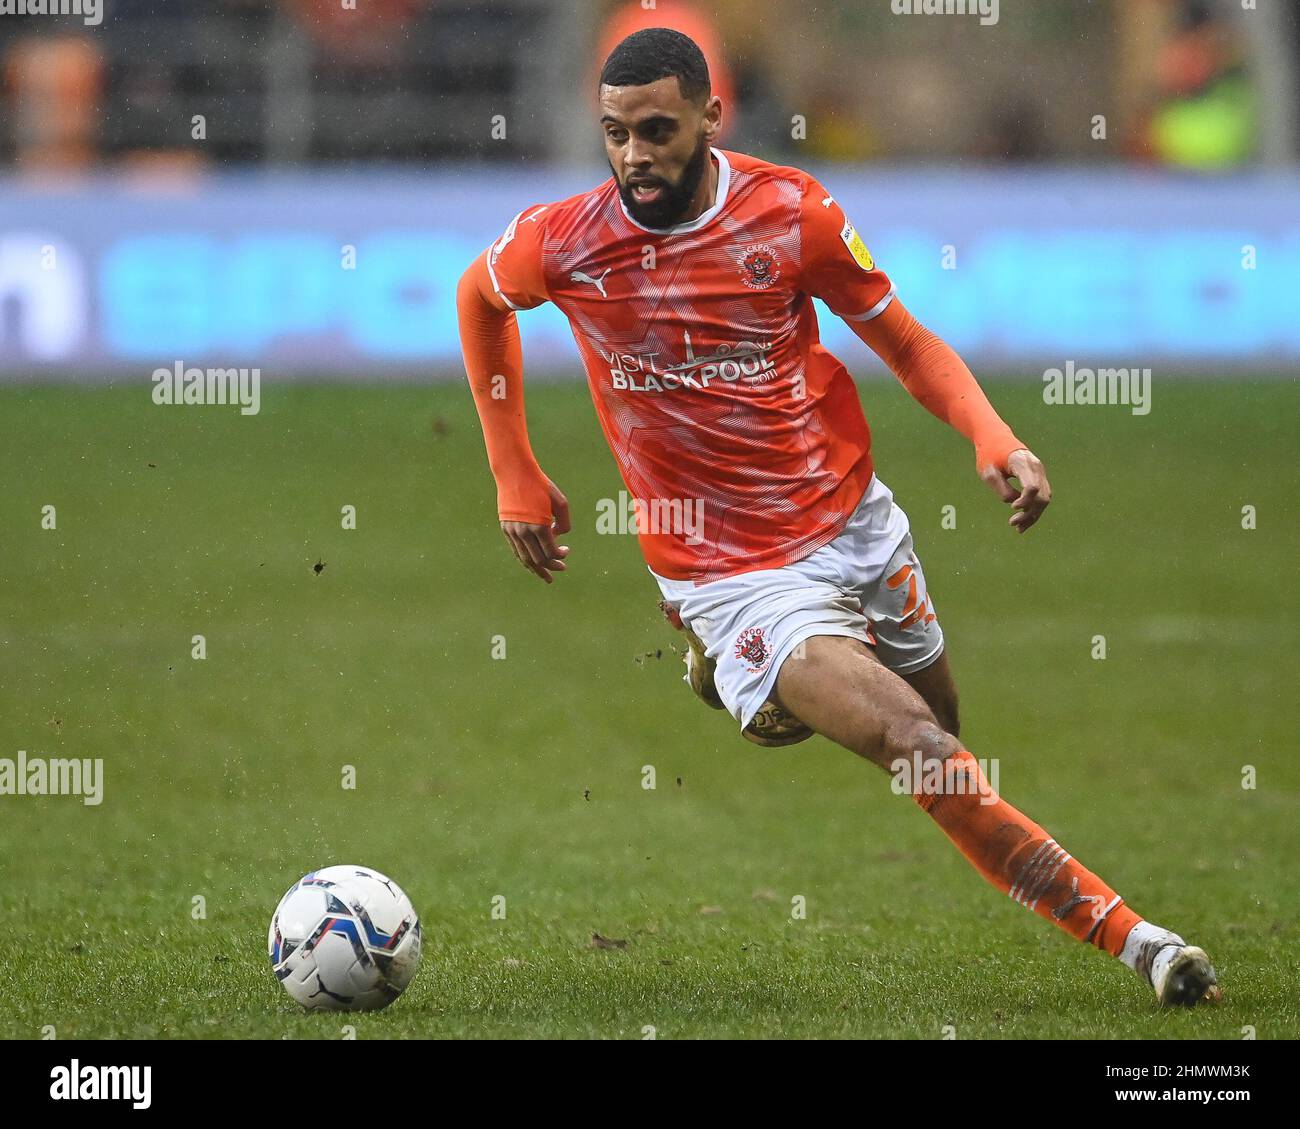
<point>918,608</point>
<point>752,649</point>
<point>760,267</point>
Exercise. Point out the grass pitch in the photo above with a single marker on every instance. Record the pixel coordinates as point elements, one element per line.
<point>521,778</point>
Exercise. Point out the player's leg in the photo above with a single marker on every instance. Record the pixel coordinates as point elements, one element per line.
<point>882,570</point>
<point>935,685</point>
<point>849,697</point>
<point>771,726</point>
<point>840,689</point>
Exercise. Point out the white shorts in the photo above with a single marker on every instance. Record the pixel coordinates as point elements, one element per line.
<point>866,584</point>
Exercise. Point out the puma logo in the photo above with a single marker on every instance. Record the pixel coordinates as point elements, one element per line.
<point>598,283</point>
<point>1062,911</point>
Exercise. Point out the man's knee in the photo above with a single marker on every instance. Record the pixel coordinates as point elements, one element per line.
<point>915,732</point>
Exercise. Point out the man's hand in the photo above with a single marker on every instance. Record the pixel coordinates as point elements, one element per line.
<point>1035,491</point>
<point>534,545</point>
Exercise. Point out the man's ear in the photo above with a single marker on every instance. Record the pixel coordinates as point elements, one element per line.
<point>712,118</point>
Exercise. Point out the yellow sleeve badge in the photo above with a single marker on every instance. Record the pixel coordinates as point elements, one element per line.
<point>858,249</point>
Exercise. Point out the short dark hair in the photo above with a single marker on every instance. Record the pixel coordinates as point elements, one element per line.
<point>658,52</point>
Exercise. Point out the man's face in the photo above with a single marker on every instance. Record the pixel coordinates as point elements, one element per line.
<point>658,147</point>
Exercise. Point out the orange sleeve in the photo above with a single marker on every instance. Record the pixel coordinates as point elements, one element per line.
<point>836,265</point>
<point>494,363</point>
<point>939,380</point>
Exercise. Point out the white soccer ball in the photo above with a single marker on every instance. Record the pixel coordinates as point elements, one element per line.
<point>344,939</point>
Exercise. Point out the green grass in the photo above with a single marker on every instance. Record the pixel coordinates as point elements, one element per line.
<point>478,777</point>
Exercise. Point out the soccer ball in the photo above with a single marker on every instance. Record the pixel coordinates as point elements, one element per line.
<point>344,939</point>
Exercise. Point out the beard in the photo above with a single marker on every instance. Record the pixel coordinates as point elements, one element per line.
<point>674,199</point>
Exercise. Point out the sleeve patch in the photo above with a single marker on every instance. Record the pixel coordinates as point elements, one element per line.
<point>858,249</point>
<point>501,244</point>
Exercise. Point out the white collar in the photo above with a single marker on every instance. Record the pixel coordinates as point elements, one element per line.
<point>724,186</point>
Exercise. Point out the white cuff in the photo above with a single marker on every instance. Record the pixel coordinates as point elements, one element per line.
<point>875,311</point>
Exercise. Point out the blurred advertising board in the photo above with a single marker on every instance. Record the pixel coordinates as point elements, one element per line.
<point>354,276</point>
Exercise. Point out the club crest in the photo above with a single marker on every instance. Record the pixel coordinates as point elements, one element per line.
<point>760,268</point>
<point>753,650</point>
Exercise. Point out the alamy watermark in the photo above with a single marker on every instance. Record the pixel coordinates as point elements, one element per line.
<point>181,385</point>
<point>987,10</point>
<point>57,776</point>
<point>90,11</point>
<point>951,777</point>
<point>76,1082</point>
<point>1128,386</point>
<point>681,516</point>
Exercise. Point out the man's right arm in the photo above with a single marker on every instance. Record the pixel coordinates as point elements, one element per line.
<point>526,499</point>
<point>494,363</point>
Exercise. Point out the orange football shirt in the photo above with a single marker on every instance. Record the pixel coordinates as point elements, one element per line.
<point>740,436</point>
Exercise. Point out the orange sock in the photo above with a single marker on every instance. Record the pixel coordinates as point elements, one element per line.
<point>1022,860</point>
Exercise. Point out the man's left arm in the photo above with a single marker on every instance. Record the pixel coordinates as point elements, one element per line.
<point>939,380</point>
<point>837,267</point>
